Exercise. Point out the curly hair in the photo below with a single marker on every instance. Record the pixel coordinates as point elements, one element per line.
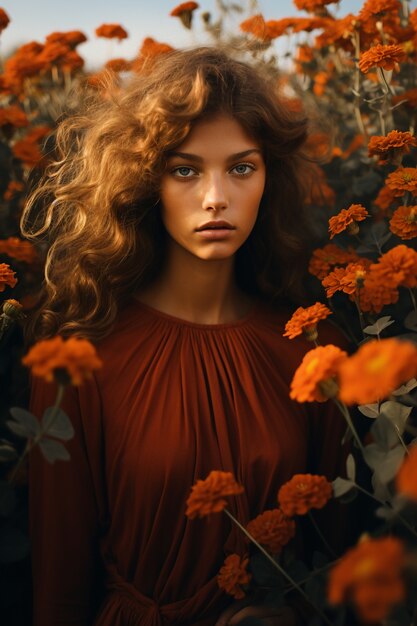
<point>96,207</point>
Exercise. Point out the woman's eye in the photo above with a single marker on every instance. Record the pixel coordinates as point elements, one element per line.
<point>243,168</point>
<point>183,172</point>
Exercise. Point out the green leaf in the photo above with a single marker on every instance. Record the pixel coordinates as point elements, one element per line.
<point>387,470</point>
<point>350,468</point>
<point>53,450</point>
<point>397,413</point>
<point>61,427</point>
<point>373,454</point>
<point>341,486</point>
<point>378,327</point>
<point>369,410</point>
<point>27,420</point>
<point>384,433</point>
<point>7,498</point>
<point>406,388</point>
<point>7,453</point>
<point>410,320</point>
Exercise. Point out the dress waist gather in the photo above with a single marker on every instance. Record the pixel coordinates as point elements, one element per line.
<point>125,605</point>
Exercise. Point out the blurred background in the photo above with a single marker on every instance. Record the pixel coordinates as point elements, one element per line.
<point>141,18</point>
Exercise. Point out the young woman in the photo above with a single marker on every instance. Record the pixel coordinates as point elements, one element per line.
<point>174,216</point>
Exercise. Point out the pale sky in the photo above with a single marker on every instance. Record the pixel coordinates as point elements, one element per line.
<point>141,18</point>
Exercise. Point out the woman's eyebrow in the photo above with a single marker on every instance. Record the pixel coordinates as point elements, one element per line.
<point>198,159</point>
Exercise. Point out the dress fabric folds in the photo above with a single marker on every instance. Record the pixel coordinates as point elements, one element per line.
<point>112,545</point>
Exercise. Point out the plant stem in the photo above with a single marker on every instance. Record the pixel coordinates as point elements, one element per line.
<point>320,534</point>
<point>277,566</point>
<point>413,299</point>
<point>360,314</point>
<point>345,412</point>
<point>386,503</point>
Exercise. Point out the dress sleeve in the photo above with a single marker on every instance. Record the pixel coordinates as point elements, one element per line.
<point>66,509</point>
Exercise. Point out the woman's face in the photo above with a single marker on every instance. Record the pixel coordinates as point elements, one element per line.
<point>212,187</point>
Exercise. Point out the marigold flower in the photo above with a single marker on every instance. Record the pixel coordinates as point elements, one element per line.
<point>185,12</point>
<point>208,496</point>
<point>337,32</point>
<point>314,379</point>
<point>13,115</point>
<point>18,249</point>
<point>118,65</point>
<point>385,198</point>
<point>13,309</point>
<point>406,476</point>
<point>28,152</point>
<point>386,57</point>
<point>233,575</point>
<point>111,31</point>
<point>324,259</point>
<point>376,370</point>
<point>306,320</point>
<point>71,38</point>
<point>276,28</point>
<point>377,9</point>
<point>4,20</point>
<point>398,266</point>
<point>53,53</point>
<point>50,358</point>
<point>272,529</point>
<point>255,26</point>
<point>370,575</point>
<point>404,222</point>
<point>347,218</point>
<point>71,61</point>
<point>311,5</point>
<point>408,98</point>
<point>391,146</point>
<point>402,180</point>
<point>7,276</point>
<point>348,279</point>
<point>303,493</point>
<point>376,291</point>
<point>149,50</point>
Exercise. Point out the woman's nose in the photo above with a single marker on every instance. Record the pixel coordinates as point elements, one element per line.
<point>215,194</point>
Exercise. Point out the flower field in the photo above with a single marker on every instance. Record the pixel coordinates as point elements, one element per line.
<point>356,77</point>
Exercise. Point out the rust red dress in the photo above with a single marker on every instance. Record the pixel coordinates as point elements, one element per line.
<point>173,401</point>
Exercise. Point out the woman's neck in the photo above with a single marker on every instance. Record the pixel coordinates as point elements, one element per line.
<point>197,290</point>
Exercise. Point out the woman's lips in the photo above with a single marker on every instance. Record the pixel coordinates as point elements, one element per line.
<point>215,233</point>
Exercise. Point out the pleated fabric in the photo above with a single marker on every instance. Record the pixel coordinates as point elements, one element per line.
<point>174,400</point>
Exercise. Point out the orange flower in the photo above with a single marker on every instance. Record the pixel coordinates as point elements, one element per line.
<point>306,320</point>
<point>347,218</point>
<point>71,38</point>
<point>391,146</point>
<point>409,98</point>
<point>320,81</point>
<point>72,61</point>
<point>4,20</point>
<point>118,65</point>
<point>370,575</point>
<point>376,291</point>
<point>385,199</point>
<point>402,180</point>
<point>303,493</point>
<point>233,575</point>
<point>272,529</point>
<point>255,26</point>
<point>18,249</point>
<point>276,28</point>
<point>404,222</point>
<point>53,53</point>
<point>386,57</point>
<point>185,12</point>
<point>376,370</point>
<point>377,9</point>
<point>348,279</point>
<point>14,116</point>
<point>7,276</point>
<point>73,360</point>
<point>330,255</point>
<point>314,381</point>
<point>208,496</point>
<point>398,266</point>
<point>149,50</point>
<point>28,152</point>
<point>338,32</point>
<point>311,5</point>
<point>406,476</point>
<point>12,188</point>
<point>111,31</point>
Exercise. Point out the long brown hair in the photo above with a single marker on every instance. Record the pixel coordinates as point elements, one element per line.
<point>96,208</point>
